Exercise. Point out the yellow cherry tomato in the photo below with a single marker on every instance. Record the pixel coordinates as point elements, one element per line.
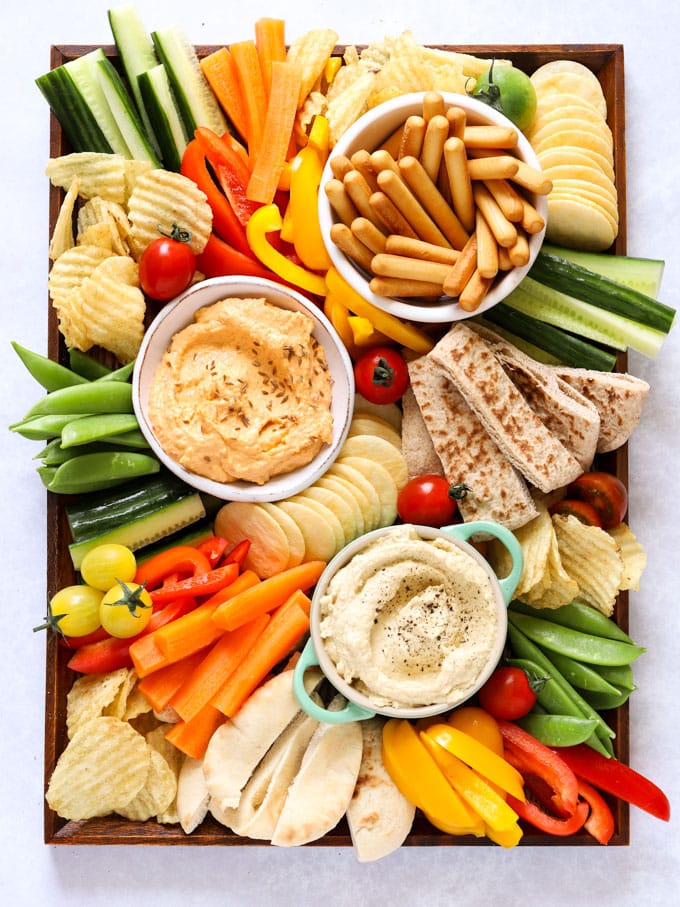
<point>104,566</point>
<point>125,610</point>
<point>74,610</point>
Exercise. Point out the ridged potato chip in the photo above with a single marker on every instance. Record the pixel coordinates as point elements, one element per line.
<point>90,695</point>
<point>534,538</point>
<point>632,554</point>
<point>157,793</point>
<point>311,52</point>
<point>100,211</point>
<point>99,174</point>
<point>103,767</point>
<point>557,587</point>
<point>591,557</point>
<point>117,707</point>
<point>62,235</point>
<point>71,269</point>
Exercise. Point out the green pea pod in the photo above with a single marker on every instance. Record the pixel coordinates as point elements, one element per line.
<point>555,699</point>
<point>92,397</point>
<point>605,701</point>
<point>620,676</point>
<point>48,373</point>
<point>581,675</point>
<point>578,645</point>
<point>94,471</point>
<point>558,730</point>
<point>522,646</point>
<point>53,454</point>
<point>134,439</point>
<point>119,374</point>
<point>44,428</point>
<point>87,366</point>
<point>578,616</point>
<point>96,428</point>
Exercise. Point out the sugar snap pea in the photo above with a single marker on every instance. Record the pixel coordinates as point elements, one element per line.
<point>92,397</point>
<point>578,616</point>
<point>53,453</point>
<point>97,427</point>
<point>134,439</point>
<point>558,730</point>
<point>94,471</point>
<point>48,373</point>
<point>87,366</point>
<point>119,374</point>
<point>582,675</point>
<point>575,643</point>
<point>44,428</point>
<point>604,701</point>
<point>621,676</point>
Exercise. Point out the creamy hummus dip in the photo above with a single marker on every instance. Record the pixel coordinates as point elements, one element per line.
<point>410,622</point>
<point>244,392</point>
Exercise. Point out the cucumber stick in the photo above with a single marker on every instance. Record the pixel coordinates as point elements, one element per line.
<point>78,121</point>
<point>164,117</point>
<point>125,114</point>
<point>85,74</point>
<point>197,104</point>
<point>642,274</point>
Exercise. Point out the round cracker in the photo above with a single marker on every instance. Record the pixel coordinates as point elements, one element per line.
<point>350,494</point>
<point>587,200</point>
<point>390,412</point>
<point>578,224</point>
<point>577,138</point>
<point>383,482</point>
<point>367,424</point>
<point>296,541</point>
<point>318,533</point>
<point>566,113</point>
<point>269,551</point>
<point>584,172</point>
<point>326,514</point>
<point>553,100</point>
<point>584,189</point>
<point>571,77</point>
<point>569,154</point>
<point>355,478</point>
<point>380,450</point>
<point>599,129</point>
<point>338,505</point>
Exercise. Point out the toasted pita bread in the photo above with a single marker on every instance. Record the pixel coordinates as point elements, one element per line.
<point>467,454</point>
<point>379,816</point>
<point>193,796</point>
<point>523,438</point>
<point>416,443</point>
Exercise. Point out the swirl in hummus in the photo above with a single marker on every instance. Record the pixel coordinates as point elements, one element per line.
<point>410,622</point>
<point>244,392</point>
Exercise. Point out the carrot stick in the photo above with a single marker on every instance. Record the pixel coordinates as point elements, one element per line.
<point>160,686</point>
<point>277,133</point>
<point>289,623</point>
<point>213,669</point>
<point>220,71</point>
<point>270,41</point>
<point>196,630</point>
<point>192,737</point>
<point>247,63</point>
<point>146,656</point>
<point>267,595</point>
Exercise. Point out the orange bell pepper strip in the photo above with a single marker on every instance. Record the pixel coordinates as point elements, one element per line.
<point>267,219</point>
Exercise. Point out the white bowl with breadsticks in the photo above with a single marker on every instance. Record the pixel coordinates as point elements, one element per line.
<point>433,206</point>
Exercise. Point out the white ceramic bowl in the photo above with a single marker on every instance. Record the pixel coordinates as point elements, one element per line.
<point>178,314</point>
<point>369,132</point>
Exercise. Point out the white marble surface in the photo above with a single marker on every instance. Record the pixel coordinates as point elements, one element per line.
<point>647,870</point>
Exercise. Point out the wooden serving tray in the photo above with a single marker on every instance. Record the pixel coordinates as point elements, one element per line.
<point>606,61</point>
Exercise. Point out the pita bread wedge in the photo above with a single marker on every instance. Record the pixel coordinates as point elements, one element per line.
<point>467,454</point>
<point>238,745</point>
<point>523,438</point>
<point>617,396</point>
<point>322,789</point>
<point>193,796</point>
<point>379,816</point>
<point>416,443</point>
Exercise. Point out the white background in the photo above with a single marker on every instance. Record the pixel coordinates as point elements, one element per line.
<point>646,871</point>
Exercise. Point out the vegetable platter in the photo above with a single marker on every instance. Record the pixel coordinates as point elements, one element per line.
<point>606,62</point>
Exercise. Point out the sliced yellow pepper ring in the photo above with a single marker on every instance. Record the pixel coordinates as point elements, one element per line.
<point>479,757</point>
<point>473,789</point>
<point>305,178</point>
<point>421,781</point>
<point>267,219</point>
<point>402,332</point>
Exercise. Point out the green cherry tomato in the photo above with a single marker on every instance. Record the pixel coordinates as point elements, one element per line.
<point>104,566</point>
<point>125,610</point>
<point>509,90</point>
<point>74,610</point>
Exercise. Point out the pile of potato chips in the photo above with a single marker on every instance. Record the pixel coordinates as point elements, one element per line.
<point>564,560</point>
<point>113,209</point>
<point>117,759</point>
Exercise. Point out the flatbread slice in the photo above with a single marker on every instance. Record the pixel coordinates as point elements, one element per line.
<point>416,444</point>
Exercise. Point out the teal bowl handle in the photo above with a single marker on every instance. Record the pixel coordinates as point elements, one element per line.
<point>350,712</point>
<point>465,531</point>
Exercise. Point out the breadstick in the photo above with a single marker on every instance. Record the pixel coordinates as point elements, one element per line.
<point>412,137</point>
<point>463,269</point>
<point>368,234</point>
<point>392,142</point>
<point>347,242</point>
<point>340,165</point>
<point>418,248</point>
<point>460,183</point>
<point>531,221</point>
<point>361,161</point>
<point>519,252</point>
<point>504,231</point>
<point>490,137</point>
<point>383,160</point>
<point>487,247</point>
<point>501,166</point>
<point>386,265</point>
<point>386,212</point>
<point>420,221</point>
<point>429,196</point>
<point>474,292</point>
<point>532,179</point>
<point>359,192</point>
<point>507,198</point>
<point>436,133</point>
<point>457,119</point>
<point>340,201</point>
<point>504,263</point>
<point>433,105</point>
<point>393,286</point>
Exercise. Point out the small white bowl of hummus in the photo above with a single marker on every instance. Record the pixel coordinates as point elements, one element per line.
<point>243,389</point>
<point>408,621</point>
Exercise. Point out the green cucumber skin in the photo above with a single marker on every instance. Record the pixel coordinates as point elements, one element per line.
<point>163,115</point>
<point>127,118</point>
<point>85,73</point>
<point>643,274</point>
<point>70,108</point>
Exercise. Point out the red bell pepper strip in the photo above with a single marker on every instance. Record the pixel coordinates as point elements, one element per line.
<point>113,653</point>
<point>197,585</point>
<point>238,553</point>
<point>233,174</point>
<point>533,814</point>
<point>600,822</point>
<point>225,222</point>
<point>213,548</point>
<point>617,779</point>
<point>75,642</point>
<point>184,560</point>
<point>218,259</point>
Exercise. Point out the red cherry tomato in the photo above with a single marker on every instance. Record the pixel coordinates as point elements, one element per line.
<point>507,694</point>
<point>429,500</point>
<point>381,374</point>
<point>582,510</point>
<point>167,266</point>
<point>605,493</point>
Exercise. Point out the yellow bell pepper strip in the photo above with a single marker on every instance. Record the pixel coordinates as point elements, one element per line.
<point>331,69</point>
<point>471,787</point>
<point>319,137</point>
<point>305,178</point>
<point>478,723</point>
<point>267,219</point>
<point>365,334</point>
<point>402,332</point>
<point>420,780</point>
<point>338,316</point>
<point>479,757</point>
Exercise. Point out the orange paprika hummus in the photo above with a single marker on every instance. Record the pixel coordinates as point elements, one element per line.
<point>244,392</point>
